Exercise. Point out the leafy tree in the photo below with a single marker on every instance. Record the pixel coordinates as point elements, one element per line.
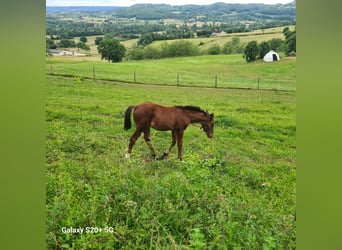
<point>82,45</point>
<point>264,48</point>
<point>290,41</point>
<point>83,39</point>
<point>286,30</point>
<point>50,44</point>
<point>111,50</point>
<point>66,43</point>
<point>98,40</point>
<point>276,44</point>
<point>233,46</point>
<point>251,51</point>
<point>145,39</point>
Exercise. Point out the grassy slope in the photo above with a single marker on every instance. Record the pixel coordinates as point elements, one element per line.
<point>231,71</point>
<point>236,190</point>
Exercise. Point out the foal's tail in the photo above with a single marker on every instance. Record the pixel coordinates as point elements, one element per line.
<point>128,123</point>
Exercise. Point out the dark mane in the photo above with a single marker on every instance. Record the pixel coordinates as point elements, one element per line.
<point>192,108</point>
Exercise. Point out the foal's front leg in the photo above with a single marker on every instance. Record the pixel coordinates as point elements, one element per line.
<point>167,151</point>
<point>180,144</point>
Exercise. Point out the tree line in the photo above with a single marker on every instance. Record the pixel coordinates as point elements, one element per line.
<point>61,29</point>
<point>111,49</point>
<point>67,43</point>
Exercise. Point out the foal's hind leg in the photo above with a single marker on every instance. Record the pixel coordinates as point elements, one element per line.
<point>132,141</point>
<point>148,141</point>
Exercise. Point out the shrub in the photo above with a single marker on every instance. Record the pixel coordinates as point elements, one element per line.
<point>214,50</point>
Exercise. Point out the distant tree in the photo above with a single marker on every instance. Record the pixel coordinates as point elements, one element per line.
<point>50,44</point>
<point>204,33</point>
<point>214,50</point>
<point>98,40</point>
<point>83,39</point>
<point>82,45</point>
<point>145,39</point>
<point>286,30</point>
<point>251,51</point>
<point>66,43</point>
<point>276,44</point>
<point>135,52</point>
<point>233,46</point>
<point>111,50</point>
<point>290,41</point>
<point>264,48</point>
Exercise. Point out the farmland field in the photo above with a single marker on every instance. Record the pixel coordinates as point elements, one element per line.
<point>234,191</point>
<point>219,39</point>
<point>206,71</point>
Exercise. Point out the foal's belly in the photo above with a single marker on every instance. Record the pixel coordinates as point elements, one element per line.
<point>160,126</point>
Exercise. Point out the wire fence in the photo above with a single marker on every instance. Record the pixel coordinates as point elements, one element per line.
<point>185,79</point>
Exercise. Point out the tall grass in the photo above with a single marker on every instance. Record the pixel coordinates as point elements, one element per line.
<point>235,191</point>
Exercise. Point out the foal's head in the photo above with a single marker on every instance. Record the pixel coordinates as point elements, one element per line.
<point>208,125</point>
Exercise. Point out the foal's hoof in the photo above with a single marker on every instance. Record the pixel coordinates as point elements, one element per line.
<point>127,156</point>
<point>163,156</point>
<point>155,157</point>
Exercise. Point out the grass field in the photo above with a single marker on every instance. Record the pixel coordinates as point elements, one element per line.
<point>219,70</point>
<point>234,191</point>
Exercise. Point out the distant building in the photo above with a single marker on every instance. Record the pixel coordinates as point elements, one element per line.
<point>271,56</point>
<point>60,52</point>
<point>57,52</point>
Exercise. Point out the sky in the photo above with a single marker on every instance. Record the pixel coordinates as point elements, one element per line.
<point>171,2</point>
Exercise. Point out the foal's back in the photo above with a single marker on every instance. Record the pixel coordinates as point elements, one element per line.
<point>157,116</point>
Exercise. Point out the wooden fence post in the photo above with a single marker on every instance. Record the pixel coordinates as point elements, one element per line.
<point>177,79</point>
<point>215,81</point>
<point>135,76</point>
<point>51,69</point>
<point>258,82</point>
<point>94,76</point>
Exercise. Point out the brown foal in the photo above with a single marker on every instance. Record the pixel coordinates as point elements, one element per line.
<point>162,118</point>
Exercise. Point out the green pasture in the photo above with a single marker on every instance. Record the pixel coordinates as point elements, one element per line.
<point>218,39</point>
<point>206,71</point>
<point>221,40</point>
<point>260,35</point>
<point>234,191</point>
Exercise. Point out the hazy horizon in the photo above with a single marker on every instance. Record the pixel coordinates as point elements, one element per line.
<point>126,3</point>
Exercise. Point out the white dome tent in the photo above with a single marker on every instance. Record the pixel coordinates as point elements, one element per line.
<point>271,56</point>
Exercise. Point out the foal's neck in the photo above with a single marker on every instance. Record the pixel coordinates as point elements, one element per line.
<point>196,116</point>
